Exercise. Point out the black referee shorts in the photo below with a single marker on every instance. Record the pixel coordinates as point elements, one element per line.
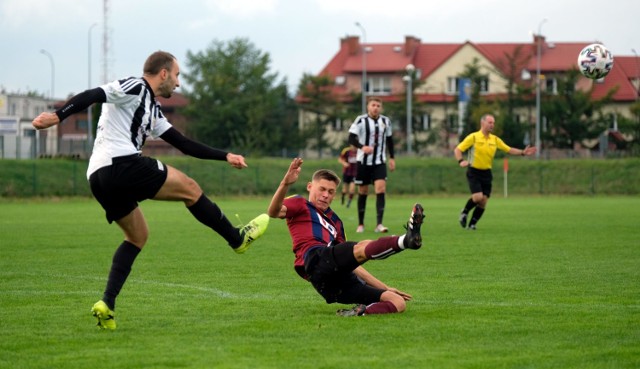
<point>367,174</point>
<point>330,271</point>
<point>130,179</point>
<point>480,180</point>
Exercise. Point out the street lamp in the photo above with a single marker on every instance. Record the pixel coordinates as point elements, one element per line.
<point>364,68</point>
<point>408,78</point>
<point>89,113</point>
<point>538,55</point>
<point>53,72</point>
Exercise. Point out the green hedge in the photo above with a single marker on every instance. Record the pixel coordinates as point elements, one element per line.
<point>60,177</point>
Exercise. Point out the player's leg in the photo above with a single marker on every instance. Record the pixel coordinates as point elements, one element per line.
<point>363,180</point>
<point>180,187</point>
<point>384,247</point>
<point>136,233</point>
<point>380,186</point>
<point>476,196</point>
<point>352,191</point>
<point>370,300</point>
<point>481,202</point>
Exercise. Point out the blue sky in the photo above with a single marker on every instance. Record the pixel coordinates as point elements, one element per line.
<point>300,35</point>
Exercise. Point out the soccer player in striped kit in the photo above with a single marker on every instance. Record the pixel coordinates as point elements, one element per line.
<point>120,177</point>
<point>325,258</point>
<point>372,135</point>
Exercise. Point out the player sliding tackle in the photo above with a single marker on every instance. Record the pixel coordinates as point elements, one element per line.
<point>325,258</point>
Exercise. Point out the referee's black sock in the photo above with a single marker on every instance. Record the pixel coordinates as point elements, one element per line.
<point>362,205</point>
<point>209,214</point>
<point>477,214</point>
<point>380,204</point>
<point>123,259</point>
<point>470,205</point>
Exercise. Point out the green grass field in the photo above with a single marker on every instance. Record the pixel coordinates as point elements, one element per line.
<point>545,282</point>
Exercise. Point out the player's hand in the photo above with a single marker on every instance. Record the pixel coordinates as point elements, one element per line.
<point>529,150</point>
<point>236,161</point>
<point>404,295</point>
<point>293,172</point>
<point>464,163</point>
<point>45,120</point>
<point>392,164</point>
<point>367,149</point>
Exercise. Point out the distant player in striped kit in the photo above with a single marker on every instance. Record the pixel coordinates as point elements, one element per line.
<point>372,135</point>
<point>482,146</point>
<point>120,177</point>
<point>325,258</point>
<point>349,160</point>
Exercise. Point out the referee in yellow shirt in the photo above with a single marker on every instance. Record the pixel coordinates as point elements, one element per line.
<point>482,146</point>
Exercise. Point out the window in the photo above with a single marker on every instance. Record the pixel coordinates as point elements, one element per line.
<point>338,124</point>
<point>452,121</point>
<point>551,85</point>
<point>81,125</point>
<point>454,82</point>
<point>452,85</point>
<point>425,120</point>
<point>340,80</point>
<point>379,85</point>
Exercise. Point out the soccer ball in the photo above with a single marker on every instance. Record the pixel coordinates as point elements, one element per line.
<point>595,61</point>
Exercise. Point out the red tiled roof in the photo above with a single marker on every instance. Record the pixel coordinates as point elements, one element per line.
<point>555,57</point>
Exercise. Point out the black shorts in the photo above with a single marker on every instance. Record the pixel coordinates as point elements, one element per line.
<point>480,180</point>
<point>330,271</point>
<point>367,174</point>
<point>347,178</point>
<point>130,179</point>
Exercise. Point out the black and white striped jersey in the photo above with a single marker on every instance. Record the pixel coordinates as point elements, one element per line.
<point>374,133</point>
<point>130,115</point>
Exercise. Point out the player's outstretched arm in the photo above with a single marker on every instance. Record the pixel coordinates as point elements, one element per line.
<point>45,120</point>
<point>276,209</point>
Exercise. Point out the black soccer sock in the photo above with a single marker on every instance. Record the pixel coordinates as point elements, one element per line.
<point>380,203</point>
<point>343,198</point>
<point>477,214</point>
<point>470,205</point>
<point>123,259</point>
<point>362,205</point>
<point>209,214</point>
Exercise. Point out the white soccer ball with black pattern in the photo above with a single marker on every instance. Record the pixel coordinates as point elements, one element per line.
<point>595,61</point>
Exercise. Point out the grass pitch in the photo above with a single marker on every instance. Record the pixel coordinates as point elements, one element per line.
<point>544,283</point>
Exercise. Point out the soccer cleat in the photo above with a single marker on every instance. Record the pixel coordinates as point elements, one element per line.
<point>381,229</point>
<point>463,219</point>
<point>472,227</point>
<point>357,310</point>
<point>412,238</point>
<point>105,316</point>
<point>251,232</point>
<point>360,229</point>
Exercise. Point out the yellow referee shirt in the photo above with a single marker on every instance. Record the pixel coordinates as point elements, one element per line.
<point>483,149</point>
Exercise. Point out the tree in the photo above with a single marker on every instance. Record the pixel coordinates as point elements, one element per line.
<point>236,103</point>
<point>631,127</point>
<point>511,67</point>
<point>318,100</point>
<point>573,116</point>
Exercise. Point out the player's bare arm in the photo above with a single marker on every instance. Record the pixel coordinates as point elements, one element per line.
<point>276,209</point>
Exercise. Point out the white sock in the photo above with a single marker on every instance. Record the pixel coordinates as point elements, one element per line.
<point>401,242</point>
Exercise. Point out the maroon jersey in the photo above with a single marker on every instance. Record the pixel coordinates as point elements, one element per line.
<point>350,156</point>
<point>309,227</point>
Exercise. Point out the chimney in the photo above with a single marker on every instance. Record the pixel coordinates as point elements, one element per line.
<point>351,44</point>
<point>411,45</point>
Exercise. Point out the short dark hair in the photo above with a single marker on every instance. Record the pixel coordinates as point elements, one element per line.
<point>158,61</point>
<point>326,174</point>
<point>374,98</point>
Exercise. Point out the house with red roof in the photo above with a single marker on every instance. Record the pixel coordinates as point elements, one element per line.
<point>439,65</point>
